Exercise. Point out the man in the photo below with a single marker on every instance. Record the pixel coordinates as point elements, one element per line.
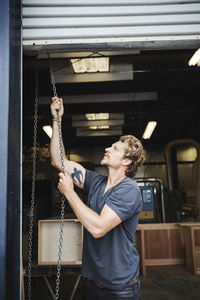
<point>110,217</point>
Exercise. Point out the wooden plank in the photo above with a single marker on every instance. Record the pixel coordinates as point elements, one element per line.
<point>159,226</point>
<point>191,229</point>
<point>182,239</point>
<point>163,244</point>
<point>139,241</point>
<point>156,244</point>
<point>193,224</point>
<point>64,263</point>
<point>188,250</point>
<point>163,262</point>
<point>197,260</point>
<point>169,242</point>
<point>177,243</point>
<point>143,254</point>
<point>197,235</point>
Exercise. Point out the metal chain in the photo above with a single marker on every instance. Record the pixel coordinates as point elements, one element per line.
<point>53,82</point>
<point>63,198</point>
<point>33,187</point>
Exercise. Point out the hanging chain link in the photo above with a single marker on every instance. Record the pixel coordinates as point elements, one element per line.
<point>33,187</point>
<point>63,198</point>
<point>53,82</point>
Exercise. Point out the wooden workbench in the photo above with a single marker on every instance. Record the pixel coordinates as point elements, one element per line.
<point>160,244</point>
<point>164,244</point>
<point>157,244</point>
<point>192,246</point>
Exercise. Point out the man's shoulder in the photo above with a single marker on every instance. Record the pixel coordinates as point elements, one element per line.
<point>130,183</point>
<point>92,174</point>
<point>93,179</point>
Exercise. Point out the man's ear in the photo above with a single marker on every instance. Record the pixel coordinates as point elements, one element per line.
<point>126,161</point>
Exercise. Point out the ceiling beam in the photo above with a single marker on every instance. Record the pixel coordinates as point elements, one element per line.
<point>111,97</point>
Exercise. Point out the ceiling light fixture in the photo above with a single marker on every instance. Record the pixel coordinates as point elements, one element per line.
<point>149,129</point>
<point>195,59</point>
<point>48,130</point>
<point>98,116</point>
<point>90,65</point>
<point>99,127</point>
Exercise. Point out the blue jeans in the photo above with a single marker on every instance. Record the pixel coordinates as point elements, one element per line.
<point>131,292</point>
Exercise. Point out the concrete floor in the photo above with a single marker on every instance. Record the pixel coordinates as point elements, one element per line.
<point>170,283</point>
<point>160,283</point>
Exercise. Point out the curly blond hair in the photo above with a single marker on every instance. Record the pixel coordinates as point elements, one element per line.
<point>134,151</point>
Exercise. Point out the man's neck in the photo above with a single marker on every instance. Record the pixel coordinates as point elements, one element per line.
<point>115,176</point>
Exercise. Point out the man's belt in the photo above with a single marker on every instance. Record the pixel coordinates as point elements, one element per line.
<point>102,287</point>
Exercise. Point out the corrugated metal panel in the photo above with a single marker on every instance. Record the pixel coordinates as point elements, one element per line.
<point>49,22</point>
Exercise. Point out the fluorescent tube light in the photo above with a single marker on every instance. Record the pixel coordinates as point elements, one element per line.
<point>90,65</point>
<point>98,116</point>
<point>149,129</point>
<point>48,130</point>
<point>195,59</point>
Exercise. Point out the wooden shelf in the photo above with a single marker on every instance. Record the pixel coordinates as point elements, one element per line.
<point>160,244</point>
<point>157,244</point>
<point>192,247</point>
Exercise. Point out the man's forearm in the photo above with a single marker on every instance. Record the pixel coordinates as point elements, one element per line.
<point>54,146</point>
<point>90,219</point>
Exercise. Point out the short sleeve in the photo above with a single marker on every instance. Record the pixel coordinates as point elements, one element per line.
<point>125,201</point>
<point>91,179</point>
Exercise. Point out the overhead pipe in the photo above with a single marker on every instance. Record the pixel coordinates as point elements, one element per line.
<point>168,168</point>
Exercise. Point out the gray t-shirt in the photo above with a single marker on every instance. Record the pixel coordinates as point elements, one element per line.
<point>112,260</point>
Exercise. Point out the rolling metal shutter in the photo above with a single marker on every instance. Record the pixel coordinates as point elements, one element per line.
<point>67,22</point>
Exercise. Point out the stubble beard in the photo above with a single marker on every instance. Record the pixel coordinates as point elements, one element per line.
<point>103,162</point>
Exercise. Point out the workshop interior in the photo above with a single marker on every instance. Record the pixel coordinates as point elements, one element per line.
<point>100,106</point>
<point>122,68</point>
<point>132,90</point>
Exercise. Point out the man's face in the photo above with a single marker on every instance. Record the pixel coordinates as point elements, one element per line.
<point>114,155</point>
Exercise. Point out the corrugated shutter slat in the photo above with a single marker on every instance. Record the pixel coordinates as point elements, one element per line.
<point>69,22</point>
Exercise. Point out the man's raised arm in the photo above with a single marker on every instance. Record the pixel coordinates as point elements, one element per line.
<point>73,169</point>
